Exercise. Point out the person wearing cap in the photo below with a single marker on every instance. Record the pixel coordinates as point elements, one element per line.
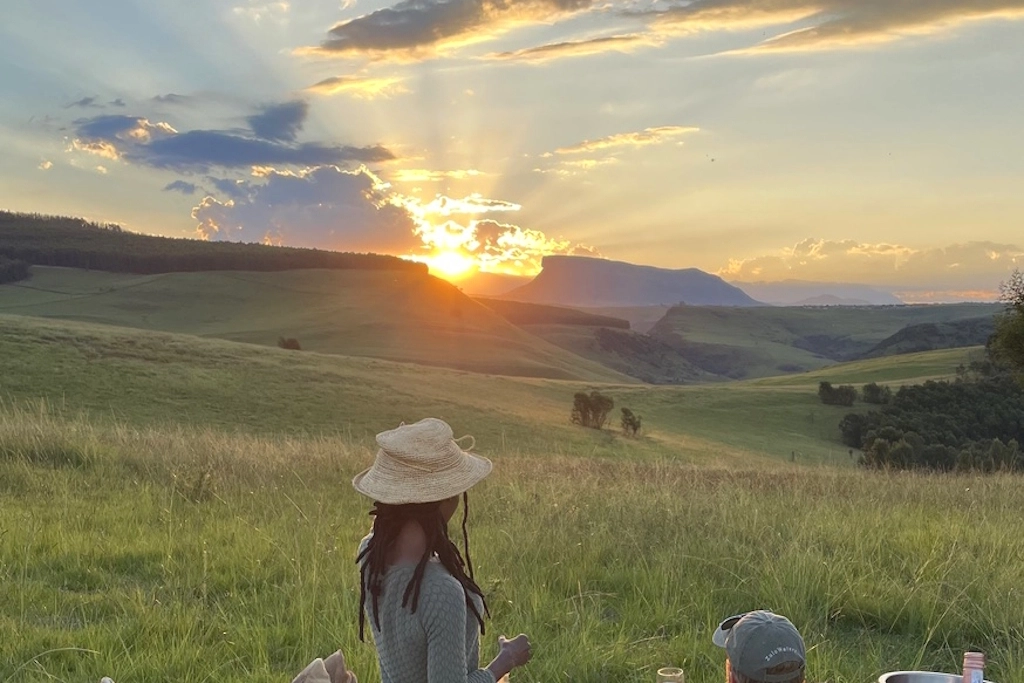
<point>425,609</point>
<point>761,647</point>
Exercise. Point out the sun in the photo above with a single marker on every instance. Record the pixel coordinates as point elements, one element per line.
<point>451,265</point>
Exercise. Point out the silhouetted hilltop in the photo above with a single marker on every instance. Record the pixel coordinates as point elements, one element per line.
<point>76,243</point>
<point>583,281</point>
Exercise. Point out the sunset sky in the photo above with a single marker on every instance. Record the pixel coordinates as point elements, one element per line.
<point>868,141</point>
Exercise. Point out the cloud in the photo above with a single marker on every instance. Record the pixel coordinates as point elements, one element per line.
<point>257,12</point>
<point>172,98</point>
<point>968,266</point>
<point>117,103</point>
<point>831,23</point>
<point>84,103</point>
<point>642,138</point>
<point>158,145</point>
<point>46,165</point>
<point>182,187</point>
<point>503,247</point>
<point>279,122</point>
<point>102,170</point>
<point>331,208</point>
<point>325,207</point>
<point>362,88</point>
<point>579,48</point>
<point>238,189</point>
<point>414,29</point>
<point>420,175</point>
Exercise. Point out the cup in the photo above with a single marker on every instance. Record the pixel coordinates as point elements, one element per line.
<point>670,674</point>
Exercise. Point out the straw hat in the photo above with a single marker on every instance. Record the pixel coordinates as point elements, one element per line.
<point>420,463</point>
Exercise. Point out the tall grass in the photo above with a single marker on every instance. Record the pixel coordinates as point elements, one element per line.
<point>177,554</point>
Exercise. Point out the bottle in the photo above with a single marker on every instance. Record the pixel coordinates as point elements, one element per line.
<point>974,667</point>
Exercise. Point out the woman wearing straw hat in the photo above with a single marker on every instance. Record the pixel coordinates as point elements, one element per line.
<point>426,611</point>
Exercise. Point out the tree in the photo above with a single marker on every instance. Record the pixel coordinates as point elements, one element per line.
<point>631,422</point>
<point>843,395</point>
<point>1007,342</point>
<point>591,410</point>
<point>876,393</point>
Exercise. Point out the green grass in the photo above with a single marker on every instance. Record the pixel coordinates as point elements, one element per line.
<point>152,378</point>
<point>185,554</point>
<point>402,316</point>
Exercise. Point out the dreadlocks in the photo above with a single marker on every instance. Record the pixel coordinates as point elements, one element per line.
<point>388,521</point>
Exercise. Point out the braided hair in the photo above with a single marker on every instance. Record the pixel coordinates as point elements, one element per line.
<point>388,521</point>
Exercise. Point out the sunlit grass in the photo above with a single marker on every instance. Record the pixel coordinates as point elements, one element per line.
<point>175,553</point>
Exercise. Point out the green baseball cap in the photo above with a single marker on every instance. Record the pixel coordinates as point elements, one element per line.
<point>762,646</point>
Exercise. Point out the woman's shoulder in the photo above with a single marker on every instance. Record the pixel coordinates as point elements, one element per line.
<point>440,587</point>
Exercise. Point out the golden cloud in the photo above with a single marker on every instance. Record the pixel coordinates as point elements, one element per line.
<point>579,48</point>
<point>420,175</point>
<point>833,23</point>
<point>100,148</point>
<point>413,30</point>
<point>642,138</point>
<point>977,266</point>
<point>361,88</point>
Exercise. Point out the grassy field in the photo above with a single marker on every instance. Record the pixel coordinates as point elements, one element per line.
<point>403,316</point>
<point>192,554</point>
<point>759,342</point>
<point>175,508</point>
<point>152,378</point>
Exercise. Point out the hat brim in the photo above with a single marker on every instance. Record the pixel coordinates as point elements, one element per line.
<point>385,486</point>
<point>725,628</point>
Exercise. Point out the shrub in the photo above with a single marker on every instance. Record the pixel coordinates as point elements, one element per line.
<point>631,422</point>
<point>843,395</point>
<point>876,393</point>
<point>289,343</point>
<point>591,410</point>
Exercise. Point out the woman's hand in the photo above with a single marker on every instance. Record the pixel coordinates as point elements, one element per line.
<point>518,649</point>
<point>511,653</point>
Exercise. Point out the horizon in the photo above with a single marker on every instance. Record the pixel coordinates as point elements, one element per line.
<point>864,143</point>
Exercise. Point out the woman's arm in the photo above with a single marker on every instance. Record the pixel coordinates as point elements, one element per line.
<point>442,610</point>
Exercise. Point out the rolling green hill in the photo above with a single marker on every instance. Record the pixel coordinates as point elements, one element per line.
<point>153,377</point>
<point>765,341</point>
<point>398,315</point>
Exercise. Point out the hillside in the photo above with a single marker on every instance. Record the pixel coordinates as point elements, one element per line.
<point>521,313</point>
<point>75,243</point>
<point>592,282</point>
<point>403,315</point>
<point>765,341</point>
<point>155,378</point>
<point>933,336</point>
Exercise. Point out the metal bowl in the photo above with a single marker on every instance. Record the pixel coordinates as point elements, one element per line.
<point>921,677</point>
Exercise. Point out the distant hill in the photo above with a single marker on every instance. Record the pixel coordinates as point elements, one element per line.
<point>830,300</point>
<point>602,339</point>
<point>75,243</point>
<point>592,282</point>
<point>740,343</point>
<point>934,336</point>
<point>404,315</point>
<point>522,313</point>
<point>808,293</point>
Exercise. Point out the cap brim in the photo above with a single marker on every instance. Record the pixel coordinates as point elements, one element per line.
<point>725,628</point>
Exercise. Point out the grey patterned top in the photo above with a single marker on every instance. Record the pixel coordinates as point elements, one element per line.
<point>440,643</point>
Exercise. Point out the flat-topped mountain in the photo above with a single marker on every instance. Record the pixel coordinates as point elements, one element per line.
<point>584,281</point>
